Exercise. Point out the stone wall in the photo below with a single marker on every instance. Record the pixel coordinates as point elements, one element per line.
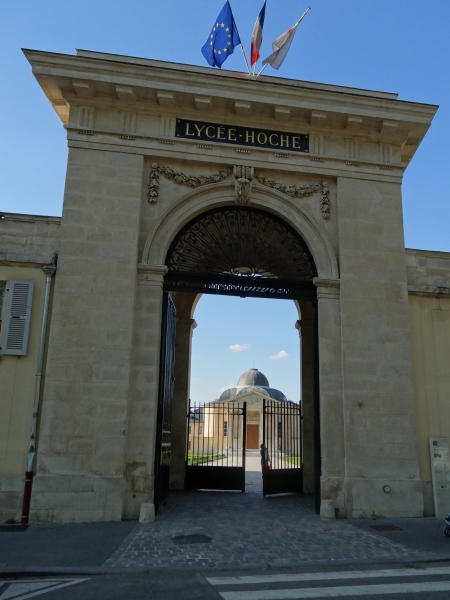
<point>80,470</point>
<point>428,271</point>
<point>28,238</point>
<point>380,427</point>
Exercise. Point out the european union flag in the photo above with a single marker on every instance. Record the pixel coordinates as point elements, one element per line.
<point>223,38</point>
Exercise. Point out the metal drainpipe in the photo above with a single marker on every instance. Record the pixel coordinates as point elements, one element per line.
<point>49,271</point>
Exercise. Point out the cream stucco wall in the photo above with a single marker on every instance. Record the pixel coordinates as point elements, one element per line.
<point>429,303</point>
<point>17,381</point>
<point>430,327</point>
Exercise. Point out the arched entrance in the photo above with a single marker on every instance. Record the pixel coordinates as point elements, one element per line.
<point>240,251</point>
<point>236,251</point>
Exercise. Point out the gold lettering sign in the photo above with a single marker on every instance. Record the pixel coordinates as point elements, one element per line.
<point>242,136</point>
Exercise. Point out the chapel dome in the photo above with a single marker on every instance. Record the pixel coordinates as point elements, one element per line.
<point>253,377</point>
<point>252,381</point>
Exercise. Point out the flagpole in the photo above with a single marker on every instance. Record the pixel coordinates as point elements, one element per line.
<point>303,16</point>
<point>296,25</point>
<point>262,70</point>
<point>242,47</point>
<point>245,57</point>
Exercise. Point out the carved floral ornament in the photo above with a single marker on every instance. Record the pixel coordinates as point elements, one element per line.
<point>243,180</point>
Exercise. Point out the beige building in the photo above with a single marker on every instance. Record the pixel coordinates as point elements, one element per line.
<point>214,427</point>
<point>185,180</point>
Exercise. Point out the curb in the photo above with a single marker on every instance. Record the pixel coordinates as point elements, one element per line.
<point>21,572</point>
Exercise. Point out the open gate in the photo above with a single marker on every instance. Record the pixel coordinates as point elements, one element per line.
<point>165,399</point>
<point>216,446</point>
<point>282,438</point>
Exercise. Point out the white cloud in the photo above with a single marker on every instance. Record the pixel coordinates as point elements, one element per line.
<point>240,347</point>
<point>279,356</point>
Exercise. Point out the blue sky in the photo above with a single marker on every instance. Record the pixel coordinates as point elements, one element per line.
<point>391,45</point>
<point>236,334</point>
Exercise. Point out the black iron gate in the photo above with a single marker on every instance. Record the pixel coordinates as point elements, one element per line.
<point>165,398</point>
<point>282,438</point>
<point>216,446</point>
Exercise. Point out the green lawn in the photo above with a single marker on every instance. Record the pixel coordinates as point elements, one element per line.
<point>294,460</point>
<point>199,459</point>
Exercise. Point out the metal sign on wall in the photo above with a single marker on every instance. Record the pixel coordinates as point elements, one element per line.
<point>243,136</point>
<point>440,472</point>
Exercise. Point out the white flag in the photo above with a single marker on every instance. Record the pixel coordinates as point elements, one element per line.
<point>281,46</point>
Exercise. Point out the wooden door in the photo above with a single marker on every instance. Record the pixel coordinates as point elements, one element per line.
<point>252,437</point>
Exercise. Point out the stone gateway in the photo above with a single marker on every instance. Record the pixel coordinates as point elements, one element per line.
<point>162,157</point>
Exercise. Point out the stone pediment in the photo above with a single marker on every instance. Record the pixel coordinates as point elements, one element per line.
<point>251,397</point>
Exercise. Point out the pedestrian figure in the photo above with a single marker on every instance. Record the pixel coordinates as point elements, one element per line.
<point>265,459</point>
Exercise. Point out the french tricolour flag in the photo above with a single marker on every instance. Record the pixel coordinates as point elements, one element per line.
<point>257,36</point>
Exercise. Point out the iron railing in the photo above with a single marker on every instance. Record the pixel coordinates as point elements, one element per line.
<point>215,454</point>
<point>282,435</point>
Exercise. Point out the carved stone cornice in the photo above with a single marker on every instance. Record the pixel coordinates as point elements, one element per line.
<point>329,289</point>
<point>191,323</point>
<point>156,269</point>
<point>151,274</point>
<point>180,178</point>
<point>300,191</point>
<point>428,291</point>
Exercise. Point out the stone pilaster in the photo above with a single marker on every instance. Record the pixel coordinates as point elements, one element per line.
<point>380,427</point>
<point>183,345</point>
<point>332,433</point>
<point>305,329</point>
<point>81,452</point>
<point>143,402</point>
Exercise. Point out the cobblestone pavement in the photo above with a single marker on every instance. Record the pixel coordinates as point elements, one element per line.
<point>246,531</point>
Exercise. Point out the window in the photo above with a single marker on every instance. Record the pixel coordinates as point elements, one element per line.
<point>190,430</point>
<point>17,316</point>
<point>189,445</point>
<point>200,430</point>
<point>2,297</point>
<point>280,430</point>
<point>225,428</point>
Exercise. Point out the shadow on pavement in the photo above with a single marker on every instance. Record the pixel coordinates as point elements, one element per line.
<point>74,545</point>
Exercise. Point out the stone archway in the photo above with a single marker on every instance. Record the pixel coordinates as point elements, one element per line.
<point>230,250</point>
<point>240,250</point>
<point>288,209</point>
<point>152,274</point>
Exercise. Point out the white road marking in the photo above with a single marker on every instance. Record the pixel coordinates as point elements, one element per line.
<point>16,589</point>
<point>250,579</point>
<point>28,589</point>
<point>339,592</point>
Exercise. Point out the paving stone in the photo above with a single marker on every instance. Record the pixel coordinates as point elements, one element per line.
<point>248,530</point>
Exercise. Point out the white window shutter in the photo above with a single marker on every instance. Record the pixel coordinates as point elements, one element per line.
<point>16,324</point>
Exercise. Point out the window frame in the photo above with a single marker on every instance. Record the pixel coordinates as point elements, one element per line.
<point>3,287</point>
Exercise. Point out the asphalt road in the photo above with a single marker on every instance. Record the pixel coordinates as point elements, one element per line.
<point>418,582</point>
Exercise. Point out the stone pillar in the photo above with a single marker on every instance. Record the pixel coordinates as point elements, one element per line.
<point>184,303</point>
<point>332,434</point>
<point>144,389</point>
<point>305,330</point>
<point>81,449</point>
<point>380,428</point>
